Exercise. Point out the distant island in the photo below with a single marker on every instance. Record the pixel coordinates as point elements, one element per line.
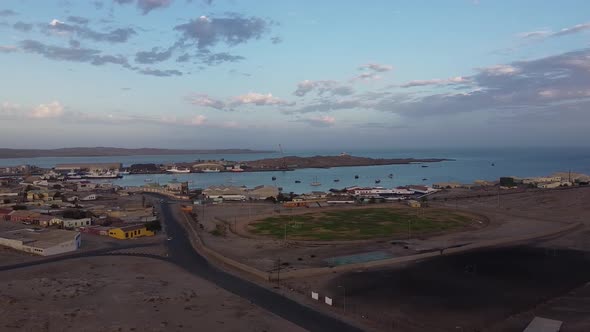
<point>293,162</point>
<point>110,151</point>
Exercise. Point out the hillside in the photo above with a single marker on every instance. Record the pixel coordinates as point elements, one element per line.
<point>110,151</point>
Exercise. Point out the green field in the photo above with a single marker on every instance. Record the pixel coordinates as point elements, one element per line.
<point>361,224</point>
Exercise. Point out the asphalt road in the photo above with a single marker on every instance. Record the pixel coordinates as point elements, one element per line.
<point>183,254</point>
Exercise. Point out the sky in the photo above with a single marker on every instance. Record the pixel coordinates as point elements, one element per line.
<point>306,74</point>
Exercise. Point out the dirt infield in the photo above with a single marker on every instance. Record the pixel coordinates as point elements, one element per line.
<point>473,290</point>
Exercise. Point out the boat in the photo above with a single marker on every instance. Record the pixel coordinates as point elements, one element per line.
<point>178,170</point>
<point>493,164</point>
<point>356,176</point>
<point>237,170</point>
<point>209,170</point>
<point>377,181</point>
<point>424,179</point>
<point>297,181</point>
<point>124,173</point>
<point>315,182</point>
<point>336,180</point>
<point>390,176</point>
<point>274,178</point>
<point>424,166</point>
<point>148,180</point>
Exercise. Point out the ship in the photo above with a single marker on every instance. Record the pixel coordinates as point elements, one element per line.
<point>73,175</point>
<point>209,170</point>
<point>124,172</point>
<point>107,175</point>
<point>178,170</point>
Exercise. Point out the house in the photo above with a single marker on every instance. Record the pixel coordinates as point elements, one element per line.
<point>130,232</point>
<point>75,223</point>
<point>46,221</point>
<point>549,185</point>
<point>4,214</point>
<point>24,216</point>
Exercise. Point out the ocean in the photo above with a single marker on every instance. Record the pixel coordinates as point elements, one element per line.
<point>468,165</point>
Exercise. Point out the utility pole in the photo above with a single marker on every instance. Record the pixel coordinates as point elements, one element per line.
<point>344,301</point>
<point>285,232</point>
<point>498,196</point>
<point>279,274</point>
<point>409,228</point>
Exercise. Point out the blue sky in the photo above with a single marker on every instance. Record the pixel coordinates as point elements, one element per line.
<point>307,74</point>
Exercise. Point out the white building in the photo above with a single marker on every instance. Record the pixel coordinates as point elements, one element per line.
<point>44,242</point>
<point>75,223</point>
<point>91,197</point>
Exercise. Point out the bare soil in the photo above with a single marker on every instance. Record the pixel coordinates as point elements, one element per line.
<point>123,294</point>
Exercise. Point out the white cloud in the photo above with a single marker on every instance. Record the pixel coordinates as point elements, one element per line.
<point>258,99</point>
<point>546,33</point>
<point>499,70</point>
<point>45,111</point>
<point>202,99</point>
<point>55,22</point>
<point>198,120</point>
<point>321,121</point>
<point>8,49</point>
<point>436,81</point>
<point>376,67</point>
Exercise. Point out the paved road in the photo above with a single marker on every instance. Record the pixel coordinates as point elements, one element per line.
<point>81,254</point>
<point>183,254</point>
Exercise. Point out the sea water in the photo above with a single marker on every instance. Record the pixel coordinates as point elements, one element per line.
<point>467,166</point>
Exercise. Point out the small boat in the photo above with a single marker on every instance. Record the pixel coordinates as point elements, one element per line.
<point>336,180</point>
<point>424,166</point>
<point>424,179</point>
<point>390,176</point>
<point>493,164</point>
<point>209,170</point>
<point>315,182</point>
<point>274,178</point>
<point>148,180</point>
<point>356,176</point>
<point>377,181</point>
<point>297,181</point>
<point>280,188</point>
<point>124,173</point>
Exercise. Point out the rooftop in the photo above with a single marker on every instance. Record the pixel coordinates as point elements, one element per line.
<point>40,238</point>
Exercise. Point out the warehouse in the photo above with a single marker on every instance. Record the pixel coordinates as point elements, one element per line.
<point>44,242</point>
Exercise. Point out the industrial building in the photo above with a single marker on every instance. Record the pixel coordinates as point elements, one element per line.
<point>44,242</point>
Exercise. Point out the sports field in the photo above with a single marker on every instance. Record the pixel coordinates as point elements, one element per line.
<point>360,224</point>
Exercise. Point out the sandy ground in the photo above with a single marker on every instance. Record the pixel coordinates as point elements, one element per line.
<point>517,215</point>
<point>123,294</point>
<point>500,289</point>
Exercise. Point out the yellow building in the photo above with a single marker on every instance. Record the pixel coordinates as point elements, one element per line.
<point>130,232</point>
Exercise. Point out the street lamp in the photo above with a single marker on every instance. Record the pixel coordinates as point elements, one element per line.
<point>344,290</point>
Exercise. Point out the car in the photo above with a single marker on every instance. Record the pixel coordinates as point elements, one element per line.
<point>169,239</point>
